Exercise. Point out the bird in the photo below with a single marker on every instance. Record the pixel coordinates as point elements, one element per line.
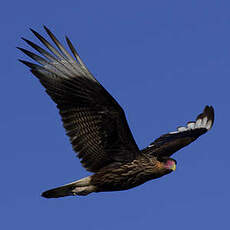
<point>97,127</point>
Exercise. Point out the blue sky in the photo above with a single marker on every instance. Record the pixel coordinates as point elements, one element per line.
<point>163,61</point>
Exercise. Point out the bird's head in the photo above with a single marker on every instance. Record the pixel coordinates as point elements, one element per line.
<point>168,163</point>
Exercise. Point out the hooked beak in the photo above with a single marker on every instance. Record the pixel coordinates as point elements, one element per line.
<point>174,167</point>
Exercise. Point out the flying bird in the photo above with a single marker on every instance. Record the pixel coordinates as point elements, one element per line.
<point>97,126</point>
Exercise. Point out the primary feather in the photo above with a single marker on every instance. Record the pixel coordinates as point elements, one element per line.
<point>93,120</point>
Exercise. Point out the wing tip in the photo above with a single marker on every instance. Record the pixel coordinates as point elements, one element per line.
<point>204,120</point>
<point>29,64</point>
<point>207,117</point>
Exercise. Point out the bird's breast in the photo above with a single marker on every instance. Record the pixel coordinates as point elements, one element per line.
<point>127,175</point>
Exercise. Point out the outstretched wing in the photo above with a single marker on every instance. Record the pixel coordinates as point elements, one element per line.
<point>169,143</point>
<point>94,121</point>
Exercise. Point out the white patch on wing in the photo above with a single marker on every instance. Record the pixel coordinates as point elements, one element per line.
<point>173,132</point>
<point>181,129</point>
<point>204,122</point>
<point>191,125</point>
<point>200,123</point>
<point>209,125</point>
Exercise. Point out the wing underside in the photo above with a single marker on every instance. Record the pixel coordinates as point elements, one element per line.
<point>94,121</point>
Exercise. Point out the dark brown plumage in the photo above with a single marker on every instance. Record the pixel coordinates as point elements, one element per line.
<point>97,126</point>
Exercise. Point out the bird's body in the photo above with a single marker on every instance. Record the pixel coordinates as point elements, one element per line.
<point>117,177</point>
<point>129,175</point>
<point>97,126</point>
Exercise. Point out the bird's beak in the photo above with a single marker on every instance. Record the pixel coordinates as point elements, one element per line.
<point>174,167</point>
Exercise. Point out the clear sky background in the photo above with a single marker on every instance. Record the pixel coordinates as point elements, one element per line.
<point>163,61</point>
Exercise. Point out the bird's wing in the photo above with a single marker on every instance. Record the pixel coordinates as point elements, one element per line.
<point>94,121</point>
<point>169,143</point>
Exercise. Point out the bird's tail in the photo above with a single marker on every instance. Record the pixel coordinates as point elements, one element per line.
<point>80,187</point>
